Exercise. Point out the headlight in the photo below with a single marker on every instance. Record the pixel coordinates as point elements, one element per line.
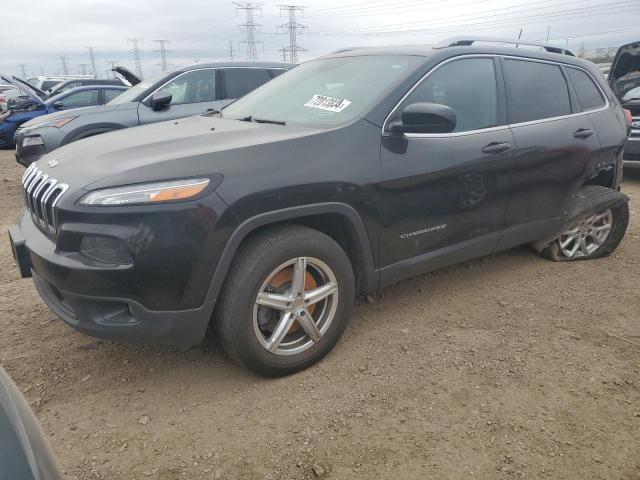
<point>146,192</point>
<point>57,123</point>
<point>32,141</point>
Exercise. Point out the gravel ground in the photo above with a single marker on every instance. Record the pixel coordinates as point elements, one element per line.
<point>504,367</point>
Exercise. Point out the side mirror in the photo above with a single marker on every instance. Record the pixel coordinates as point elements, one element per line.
<point>58,105</point>
<point>425,118</point>
<point>160,99</point>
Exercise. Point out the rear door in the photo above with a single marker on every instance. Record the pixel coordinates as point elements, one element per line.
<point>555,143</point>
<point>193,93</point>
<point>237,82</point>
<point>443,196</point>
<point>83,98</point>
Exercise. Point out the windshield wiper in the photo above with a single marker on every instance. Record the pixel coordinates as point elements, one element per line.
<point>251,118</point>
<point>210,112</point>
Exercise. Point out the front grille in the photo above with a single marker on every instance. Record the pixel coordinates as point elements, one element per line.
<point>41,194</point>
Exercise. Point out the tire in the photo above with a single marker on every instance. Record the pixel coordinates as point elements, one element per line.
<point>246,330</point>
<point>591,204</point>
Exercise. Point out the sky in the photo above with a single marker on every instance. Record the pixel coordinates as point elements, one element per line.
<point>37,33</point>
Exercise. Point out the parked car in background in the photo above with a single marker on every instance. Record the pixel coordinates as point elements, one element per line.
<point>346,174</point>
<point>3,97</point>
<point>69,84</point>
<point>35,107</point>
<point>183,92</point>
<point>624,78</point>
<point>47,82</point>
<point>25,453</point>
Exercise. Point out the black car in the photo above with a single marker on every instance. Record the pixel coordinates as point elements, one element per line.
<point>341,176</point>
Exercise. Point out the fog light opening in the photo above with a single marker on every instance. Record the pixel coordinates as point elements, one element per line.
<point>105,249</point>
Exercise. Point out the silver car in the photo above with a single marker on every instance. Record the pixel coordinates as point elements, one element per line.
<point>187,91</point>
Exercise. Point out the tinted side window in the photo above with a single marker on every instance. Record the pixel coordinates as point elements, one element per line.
<point>588,94</point>
<point>276,71</point>
<point>196,86</point>
<point>111,94</point>
<point>240,81</point>
<point>468,86</point>
<point>86,98</point>
<point>535,90</point>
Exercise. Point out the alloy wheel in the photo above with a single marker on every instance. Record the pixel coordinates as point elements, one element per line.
<point>587,236</point>
<point>295,306</point>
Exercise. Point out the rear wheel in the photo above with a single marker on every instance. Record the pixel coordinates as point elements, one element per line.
<point>595,232</point>
<point>286,301</point>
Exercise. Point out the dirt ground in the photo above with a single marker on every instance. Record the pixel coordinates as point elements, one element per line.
<point>504,367</point>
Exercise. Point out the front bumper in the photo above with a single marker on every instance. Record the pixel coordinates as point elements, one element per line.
<point>632,147</point>
<point>88,296</point>
<point>27,155</point>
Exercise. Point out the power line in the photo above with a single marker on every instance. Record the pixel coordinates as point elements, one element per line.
<point>134,41</point>
<point>83,68</point>
<point>292,27</point>
<point>163,53</point>
<point>63,62</point>
<point>23,69</point>
<point>249,27</point>
<point>284,53</point>
<point>93,60</point>
<point>231,50</point>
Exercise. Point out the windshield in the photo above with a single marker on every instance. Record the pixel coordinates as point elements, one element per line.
<point>632,94</point>
<point>134,92</point>
<point>327,92</point>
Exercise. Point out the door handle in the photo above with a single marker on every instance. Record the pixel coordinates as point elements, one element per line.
<point>583,133</point>
<point>496,147</point>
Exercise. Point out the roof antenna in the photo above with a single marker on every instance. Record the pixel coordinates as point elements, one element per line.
<point>519,37</point>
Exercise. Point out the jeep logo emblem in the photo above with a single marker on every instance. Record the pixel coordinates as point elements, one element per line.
<point>52,163</point>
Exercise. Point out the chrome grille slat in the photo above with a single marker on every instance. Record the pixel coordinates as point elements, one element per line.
<point>40,190</point>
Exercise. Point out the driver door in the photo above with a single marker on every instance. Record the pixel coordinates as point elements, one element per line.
<point>193,93</point>
<point>443,196</point>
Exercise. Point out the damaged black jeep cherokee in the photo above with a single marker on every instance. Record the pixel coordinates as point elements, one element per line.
<point>344,175</point>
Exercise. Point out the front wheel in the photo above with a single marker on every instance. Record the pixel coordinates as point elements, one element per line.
<point>286,301</point>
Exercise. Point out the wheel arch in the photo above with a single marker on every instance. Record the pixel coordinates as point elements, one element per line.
<point>90,131</point>
<point>337,220</point>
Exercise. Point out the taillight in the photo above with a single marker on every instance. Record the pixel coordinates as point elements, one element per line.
<point>627,114</point>
<point>3,98</point>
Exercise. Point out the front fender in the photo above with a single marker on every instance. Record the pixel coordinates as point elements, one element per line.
<point>293,213</point>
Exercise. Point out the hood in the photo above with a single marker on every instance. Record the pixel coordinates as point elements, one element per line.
<point>161,151</point>
<point>127,74</point>
<point>625,69</point>
<point>25,88</point>
<point>74,112</point>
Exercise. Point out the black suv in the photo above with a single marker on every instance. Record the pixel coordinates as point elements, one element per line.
<point>346,174</point>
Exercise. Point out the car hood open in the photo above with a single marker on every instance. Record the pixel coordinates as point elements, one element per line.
<point>625,69</point>
<point>25,88</point>
<point>163,151</point>
<point>127,74</point>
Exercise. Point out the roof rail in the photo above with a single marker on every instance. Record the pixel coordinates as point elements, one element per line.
<point>466,41</point>
<point>345,49</point>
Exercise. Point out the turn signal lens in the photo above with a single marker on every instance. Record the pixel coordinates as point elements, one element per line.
<point>627,114</point>
<point>146,192</point>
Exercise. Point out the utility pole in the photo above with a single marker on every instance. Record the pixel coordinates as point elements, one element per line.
<point>63,62</point>
<point>284,53</point>
<point>249,27</point>
<point>23,69</point>
<point>231,50</point>
<point>92,57</point>
<point>83,68</point>
<point>163,54</point>
<point>112,63</point>
<point>134,41</point>
<point>293,28</point>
